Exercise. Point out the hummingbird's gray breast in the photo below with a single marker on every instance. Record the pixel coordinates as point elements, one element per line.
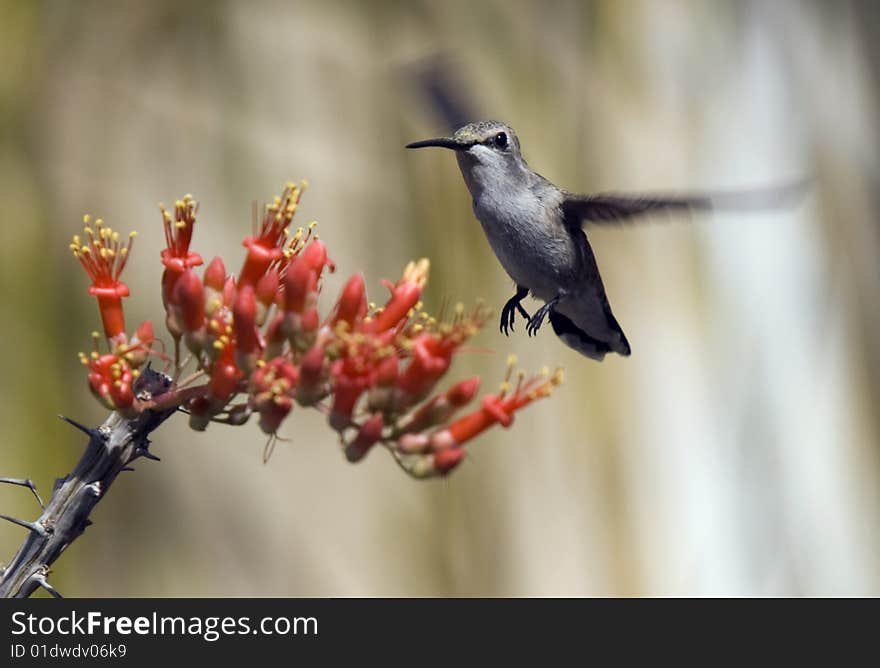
<point>524,228</point>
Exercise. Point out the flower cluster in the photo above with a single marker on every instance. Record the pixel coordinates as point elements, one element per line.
<point>260,345</point>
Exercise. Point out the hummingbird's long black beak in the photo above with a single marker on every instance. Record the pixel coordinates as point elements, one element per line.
<point>441,142</point>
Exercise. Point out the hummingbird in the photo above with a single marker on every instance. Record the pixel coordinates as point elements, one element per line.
<point>537,233</point>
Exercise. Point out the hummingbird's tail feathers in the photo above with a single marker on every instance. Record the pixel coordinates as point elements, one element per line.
<point>577,339</point>
<point>621,346</point>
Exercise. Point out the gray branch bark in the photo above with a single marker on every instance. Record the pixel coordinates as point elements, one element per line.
<point>110,450</point>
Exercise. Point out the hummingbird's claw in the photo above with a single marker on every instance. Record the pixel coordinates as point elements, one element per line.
<point>537,320</point>
<point>508,313</point>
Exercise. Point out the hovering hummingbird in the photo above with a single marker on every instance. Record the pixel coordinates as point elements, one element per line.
<point>536,231</point>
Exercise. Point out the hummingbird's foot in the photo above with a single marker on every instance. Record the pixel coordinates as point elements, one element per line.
<point>508,313</point>
<point>537,320</point>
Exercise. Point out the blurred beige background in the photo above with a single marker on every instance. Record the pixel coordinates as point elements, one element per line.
<point>735,452</point>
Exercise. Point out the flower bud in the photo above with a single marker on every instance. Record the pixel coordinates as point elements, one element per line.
<point>432,465</point>
<point>223,383</point>
<point>139,348</point>
<point>352,305</point>
<point>266,292</point>
<point>199,413</point>
<point>244,326</point>
<point>189,307</point>
<point>312,384</point>
<point>215,280</point>
<point>368,435</point>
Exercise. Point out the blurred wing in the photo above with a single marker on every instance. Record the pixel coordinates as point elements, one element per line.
<point>609,209</point>
<point>604,209</point>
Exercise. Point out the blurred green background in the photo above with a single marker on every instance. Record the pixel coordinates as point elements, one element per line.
<point>735,452</point>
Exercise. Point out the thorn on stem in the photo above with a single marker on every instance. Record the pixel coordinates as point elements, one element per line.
<point>86,430</point>
<point>40,578</point>
<point>25,482</point>
<point>36,527</point>
<point>145,452</point>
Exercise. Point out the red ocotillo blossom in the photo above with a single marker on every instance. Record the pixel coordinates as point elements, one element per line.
<point>103,256</point>
<point>259,344</point>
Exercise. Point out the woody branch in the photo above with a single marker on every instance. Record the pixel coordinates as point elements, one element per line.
<point>258,345</point>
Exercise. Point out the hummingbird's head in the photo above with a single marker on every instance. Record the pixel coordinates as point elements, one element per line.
<point>486,151</point>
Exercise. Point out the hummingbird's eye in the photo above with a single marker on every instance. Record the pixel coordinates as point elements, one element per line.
<point>500,140</point>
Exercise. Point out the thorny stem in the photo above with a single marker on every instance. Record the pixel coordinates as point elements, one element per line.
<point>110,450</point>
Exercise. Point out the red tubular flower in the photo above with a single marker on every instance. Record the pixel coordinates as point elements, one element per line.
<point>110,379</point>
<point>104,257</point>
<point>388,370</point>
<point>404,297</point>
<point>219,332</point>
<point>301,320</point>
<point>382,391</point>
<point>368,435</point>
<point>215,280</point>
<point>266,246</point>
<point>215,275</point>
<point>431,358</point>
<point>139,347</point>
<point>345,395</point>
<point>244,326</point>
<point>463,392</point>
<point>266,293</point>
<point>312,383</point>
<point>144,334</point>
<point>176,256</point>
<point>188,307</point>
<point>300,282</point>
<point>306,333</point>
<point>220,322</point>
<point>273,412</point>
<point>199,413</point>
<point>447,460</point>
<point>261,334</point>
<point>432,464</point>
<point>495,409</point>
<point>178,235</point>
<point>315,257</point>
<point>189,301</point>
<point>432,348</point>
<point>275,338</point>
<point>302,275</point>
<point>175,328</point>
<point>273,386</point>
<point>352,304</point>
<point>223,383</point>
<point>350,380</point>
<point>228,296</point>
<point>441,408</point>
